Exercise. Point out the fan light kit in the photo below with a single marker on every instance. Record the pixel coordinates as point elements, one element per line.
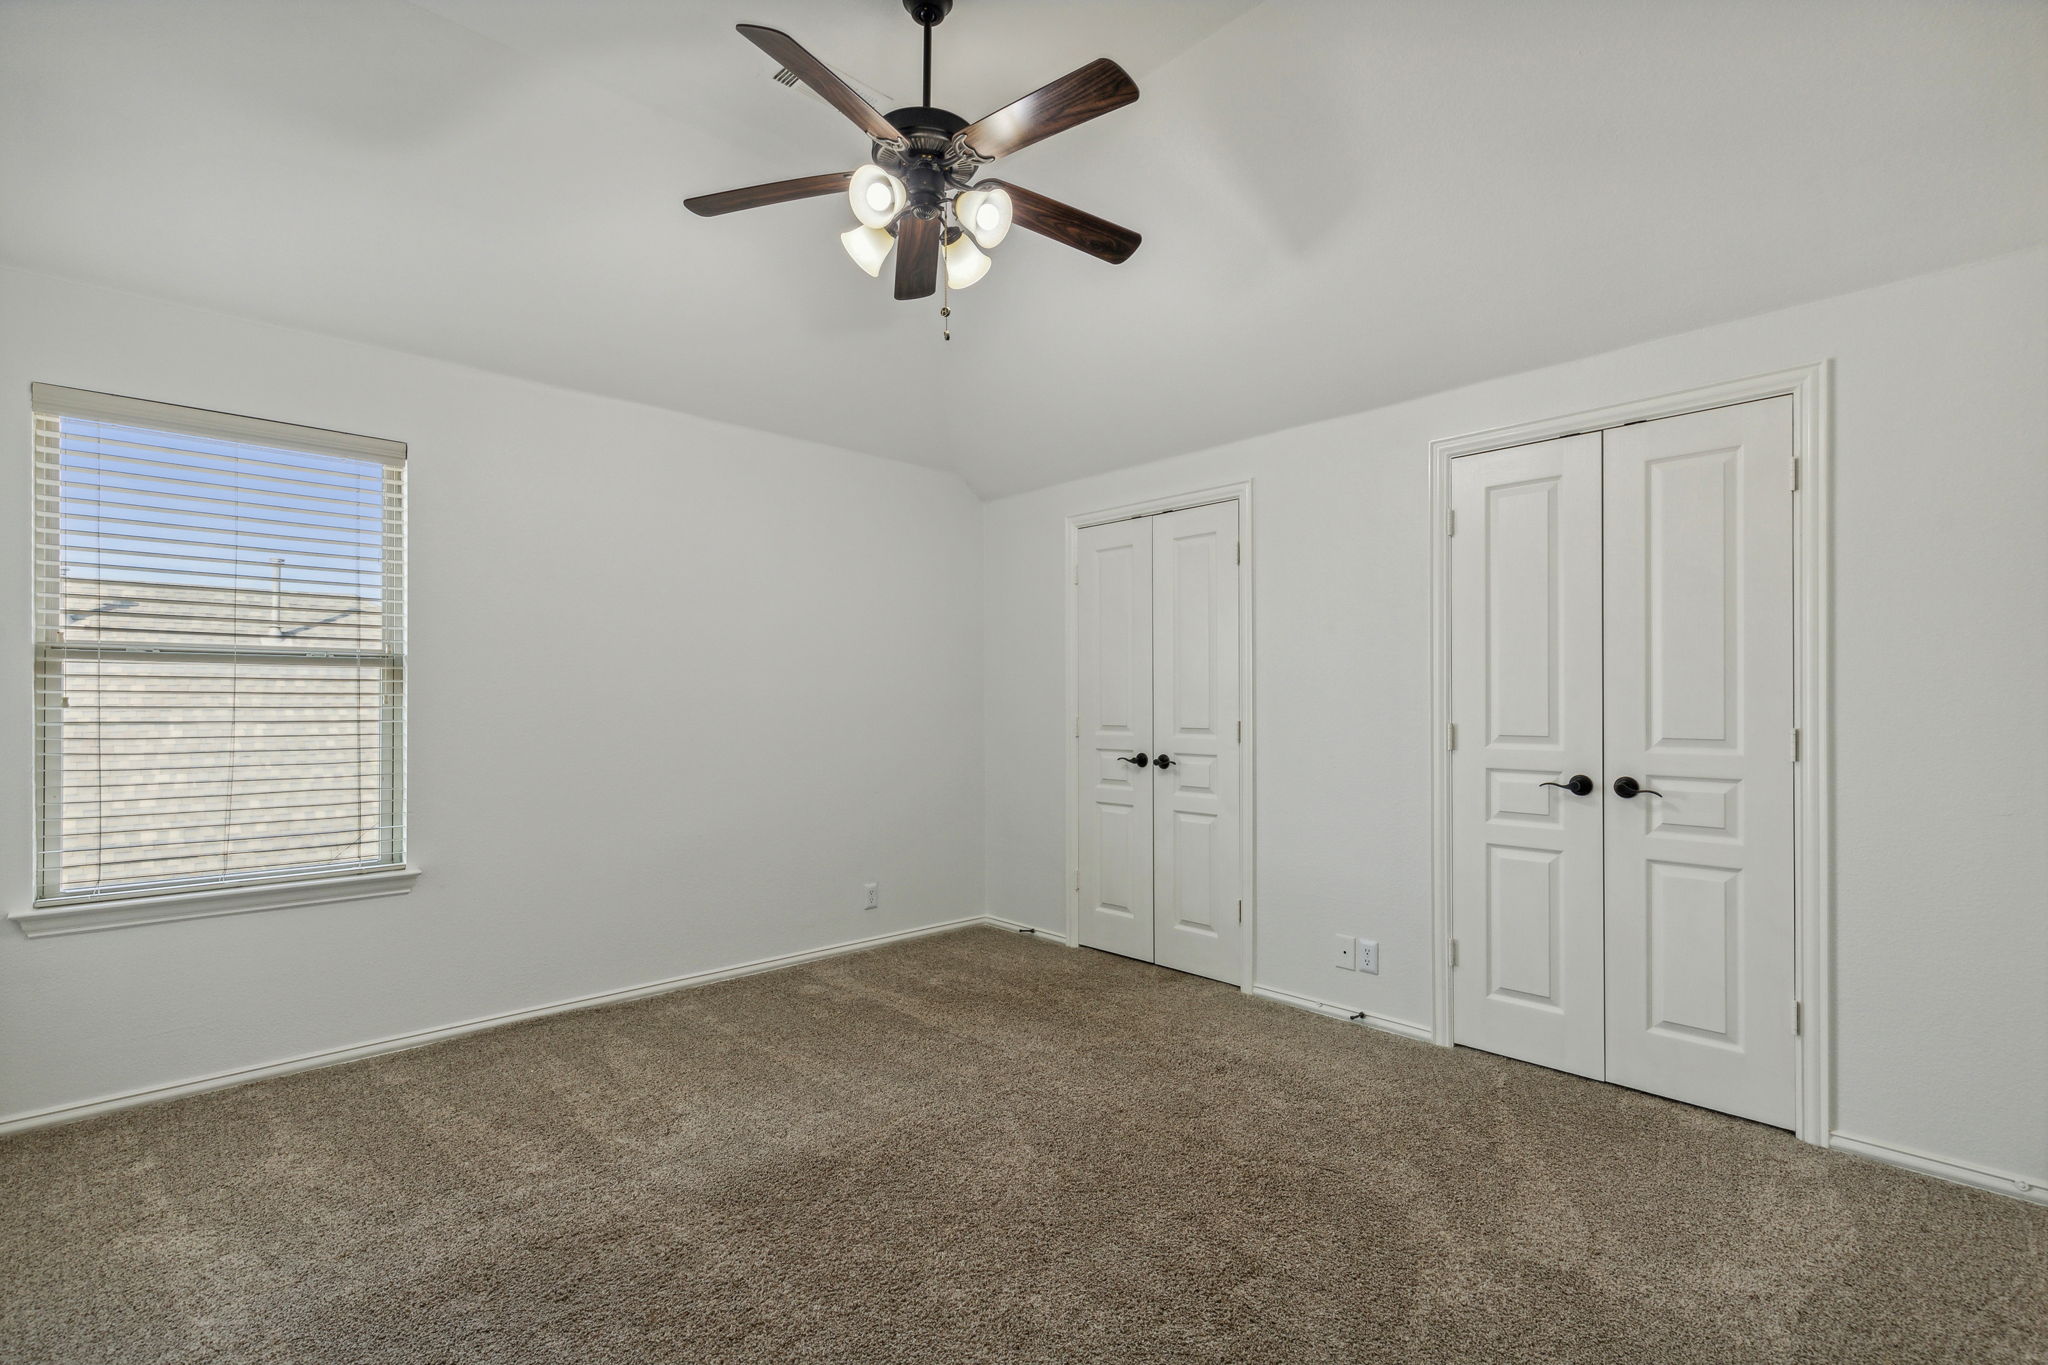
<point>917,196</point>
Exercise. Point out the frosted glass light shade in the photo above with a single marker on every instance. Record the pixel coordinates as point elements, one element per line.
<point>869,247</point>
<point>965,262</point>
<point>984,214</point>
<point>877,196</point>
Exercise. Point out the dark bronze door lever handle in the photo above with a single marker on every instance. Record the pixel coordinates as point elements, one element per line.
<point>1580,785</point>
<point>1626,787</point>
<point>1137,762</point>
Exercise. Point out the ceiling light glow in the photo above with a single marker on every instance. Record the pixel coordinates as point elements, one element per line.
<point>985,214</point>
<point>877,196</point>
<point>869,247</point>
<point>966,263</point>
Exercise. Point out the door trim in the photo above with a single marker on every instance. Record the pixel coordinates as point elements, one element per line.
<point>1241,494</point>
<point>1811,389</point>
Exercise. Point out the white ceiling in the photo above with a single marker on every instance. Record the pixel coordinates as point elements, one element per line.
<point>1345,203</point>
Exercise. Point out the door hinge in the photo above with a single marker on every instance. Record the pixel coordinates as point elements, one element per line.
<point>1077,879</point>
<point>1077,575</point>
<point>1077,727</point>
<point>1451,521</point>
<point>1451,739</point>
<point>1240,732</point>
<point>1454,952</point>
<point>1240,552</point>
<point>1795,744</point>
<point>1798,1017</point>
<point>1240,912</point>
<point>1795,473</point>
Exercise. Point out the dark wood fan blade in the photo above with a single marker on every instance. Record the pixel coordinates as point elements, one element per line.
<point>820,78</point>
<point>781,192</point>
<point>917,257</point>
<point>1064,223</point>
<point>1074,98</point>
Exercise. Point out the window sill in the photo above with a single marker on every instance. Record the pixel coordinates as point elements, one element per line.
<point>84,917</point>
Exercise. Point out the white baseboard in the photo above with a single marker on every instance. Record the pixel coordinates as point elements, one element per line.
<point>69,1113</point>
<point>1401,1027</point>
<point>1016,928</point>
<point>2034,1191</point>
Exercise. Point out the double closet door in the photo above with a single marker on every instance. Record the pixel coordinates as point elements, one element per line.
<point>1158,733</point>
<point>1622,782</point>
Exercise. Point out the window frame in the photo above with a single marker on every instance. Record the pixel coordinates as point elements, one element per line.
<point>52,911</point>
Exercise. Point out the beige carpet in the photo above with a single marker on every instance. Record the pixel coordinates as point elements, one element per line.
<point>981,1147</point>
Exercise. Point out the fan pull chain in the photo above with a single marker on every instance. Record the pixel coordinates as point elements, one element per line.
<point>945,288</point>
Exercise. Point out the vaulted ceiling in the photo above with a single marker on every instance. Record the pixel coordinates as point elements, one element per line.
<point>1345,202</point>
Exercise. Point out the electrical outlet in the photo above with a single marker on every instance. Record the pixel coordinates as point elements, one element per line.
<point>1368,955</point>
<point>1347,948</point>
<point>874,890</point>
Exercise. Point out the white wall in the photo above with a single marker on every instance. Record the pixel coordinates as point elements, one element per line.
<point>679,688</point>
<point>1941,659</point>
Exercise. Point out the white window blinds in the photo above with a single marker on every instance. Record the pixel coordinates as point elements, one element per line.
<point>220,649</point>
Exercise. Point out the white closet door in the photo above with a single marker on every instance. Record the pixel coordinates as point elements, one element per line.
<point>1525,696</point>
<point>1699,678</point>
<point>1114,654</point>
<point>1197,864</point>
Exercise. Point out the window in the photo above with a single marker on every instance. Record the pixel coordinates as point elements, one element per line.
<point>220,652</point>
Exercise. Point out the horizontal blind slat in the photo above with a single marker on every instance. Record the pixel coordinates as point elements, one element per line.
<point>87,493</point>
<point>293,852</point>
<point>97,542</point>
<point>110,449</point>
<point>236,481</point>
<point>366,524</point>
<point>214,816</point>
<point>56,510</point>
<point>132,793</point>
<point>358,829</point>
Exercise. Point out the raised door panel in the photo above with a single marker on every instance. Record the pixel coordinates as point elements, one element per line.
<point>1113,637</point>
<point>1197,859</point>
<point>1699,680</point>
<point>1525,696</point>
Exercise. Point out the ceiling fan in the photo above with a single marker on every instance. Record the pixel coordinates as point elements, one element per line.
<point>917,195</point>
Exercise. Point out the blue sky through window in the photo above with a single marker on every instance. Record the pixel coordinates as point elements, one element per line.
<point>140,505</point>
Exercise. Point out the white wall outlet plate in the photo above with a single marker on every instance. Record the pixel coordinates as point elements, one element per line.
<point>874,890</point>
<point>1347,947</point>
<point>1368,955</point>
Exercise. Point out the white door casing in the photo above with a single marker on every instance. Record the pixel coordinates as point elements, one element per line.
<point>1700,708</point>
<point>1197,864</point>
<point>1113,696</point>
<point>1810,480</point>
<point>1691,696</point>
<point>1525,692</point>
<point>1158,649</point>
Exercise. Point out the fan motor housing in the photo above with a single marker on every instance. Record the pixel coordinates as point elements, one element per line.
<point>927,132</point>
<point>926,129</point>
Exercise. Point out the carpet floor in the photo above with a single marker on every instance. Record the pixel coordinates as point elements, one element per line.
<point>981,1147</point>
